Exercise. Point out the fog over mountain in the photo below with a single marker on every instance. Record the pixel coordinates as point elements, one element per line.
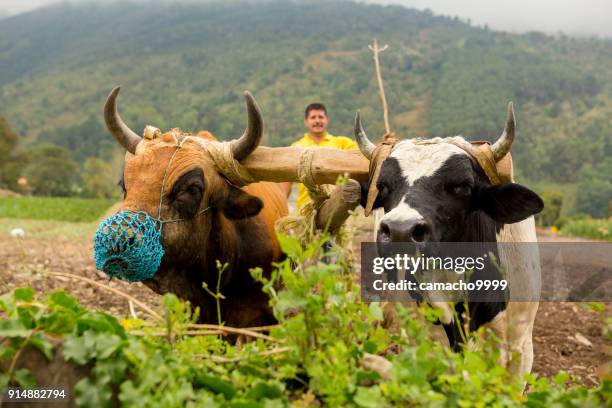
<point>572,17</point>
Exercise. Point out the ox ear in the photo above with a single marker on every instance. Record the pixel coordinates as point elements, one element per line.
<point>508,203</point>
<point>238,205</point>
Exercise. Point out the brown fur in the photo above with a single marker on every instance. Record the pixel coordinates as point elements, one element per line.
<point>192,247</point>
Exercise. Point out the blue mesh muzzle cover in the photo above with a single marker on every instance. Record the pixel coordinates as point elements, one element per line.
<point>128,246</point>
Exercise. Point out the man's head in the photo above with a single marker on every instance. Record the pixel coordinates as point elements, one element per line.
<point>315,119</point>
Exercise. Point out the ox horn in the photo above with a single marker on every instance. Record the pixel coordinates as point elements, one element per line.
<point>253,133</point>
<point>366,147</point>
<point>502,146</point>
<point>120,131</point>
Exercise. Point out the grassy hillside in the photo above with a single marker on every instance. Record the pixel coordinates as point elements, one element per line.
<point>187,65</point>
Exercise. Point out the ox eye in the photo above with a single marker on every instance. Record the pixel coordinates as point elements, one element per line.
<point>193,189</point>
<point>383,189</point>
<point>462,190</point>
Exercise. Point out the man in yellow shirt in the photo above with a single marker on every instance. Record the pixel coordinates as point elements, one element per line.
<point>316,121</point>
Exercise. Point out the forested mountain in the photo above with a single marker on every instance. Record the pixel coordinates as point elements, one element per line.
<point>186,65</point>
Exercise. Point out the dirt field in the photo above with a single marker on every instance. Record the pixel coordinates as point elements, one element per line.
<point>560,331</point>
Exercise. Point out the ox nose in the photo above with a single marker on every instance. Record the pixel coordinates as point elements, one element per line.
<point>404,231</point>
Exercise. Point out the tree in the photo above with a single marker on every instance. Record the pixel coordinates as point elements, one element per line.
<point>88,138</point>
<point>98,181</point>
<point>553,202</point>
<point>8,141</point>
<point>51,171</point>
<point>595,191</point>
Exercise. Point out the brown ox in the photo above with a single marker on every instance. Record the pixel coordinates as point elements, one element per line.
<point>215,219</point>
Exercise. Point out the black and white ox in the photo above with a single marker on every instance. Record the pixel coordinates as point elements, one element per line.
<point>434,191</point>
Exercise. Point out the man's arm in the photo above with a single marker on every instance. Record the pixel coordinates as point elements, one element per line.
<point>286,187</point>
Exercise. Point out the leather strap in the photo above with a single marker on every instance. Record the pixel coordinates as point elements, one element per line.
<point>380,154</point>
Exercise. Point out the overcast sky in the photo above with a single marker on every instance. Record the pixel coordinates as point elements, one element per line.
<point>573,17</point>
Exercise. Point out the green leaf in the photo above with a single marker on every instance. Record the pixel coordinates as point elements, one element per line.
<point>27,318</point>
<point>106,345</point>
<point>264,390</point>
<point>7,305</point>
<point>290,245</point>
<point>24,294</point>
<point>60,322</point>
<point>245,404</point>
<point>6,352</point>
<point>13,328</point>
<point>80,349</point>
<point>561,378</point>
<point>597,306</point>
<point>39,341</point>
<point>376,311</point>
<point>367,376</point>
<point>368,397</point>
<point>24,378</point>
<point>88,394</point>
<point>99,322</point>
<point>214,384</point>
<point>114,370</point>
<point>4,382</point>
<point>369,347</point>
<point>62,299</point>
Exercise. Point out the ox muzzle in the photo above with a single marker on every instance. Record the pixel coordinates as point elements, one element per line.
<point>128,246</point>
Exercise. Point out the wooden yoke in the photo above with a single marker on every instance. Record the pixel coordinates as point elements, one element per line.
<point>280,164</point>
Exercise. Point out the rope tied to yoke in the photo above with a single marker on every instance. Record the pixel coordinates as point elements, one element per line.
<point>318,193</point>
<point>236,173</point>
<point>303,224</point>
<point>220,153</point>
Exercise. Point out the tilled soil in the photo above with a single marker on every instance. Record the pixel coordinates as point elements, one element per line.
<point>26,261</point>
<point>567,336</point>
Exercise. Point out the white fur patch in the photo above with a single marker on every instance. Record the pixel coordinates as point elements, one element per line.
<point>401,213</point>
<point>422,160</point>
<point>418,158</point>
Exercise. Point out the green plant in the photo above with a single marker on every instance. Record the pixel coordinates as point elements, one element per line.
<point>54,208</point>
<point>553,202</point>
<point>588,227</point>
<point>315,355</point>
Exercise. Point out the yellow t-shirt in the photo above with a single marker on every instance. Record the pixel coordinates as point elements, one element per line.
<point>337,142</point>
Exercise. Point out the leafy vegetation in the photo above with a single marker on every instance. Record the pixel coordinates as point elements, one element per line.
<point>314,356</point>
<point>553,202</point>
<point>185,65</point>
<point>54,208</point>
<point>51,170</point>
<point>8,141</point>
<point>596,189</point>
<point>586,227</point>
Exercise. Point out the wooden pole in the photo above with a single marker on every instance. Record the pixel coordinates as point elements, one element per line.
<point>280,164</point>
<point>375,51</point>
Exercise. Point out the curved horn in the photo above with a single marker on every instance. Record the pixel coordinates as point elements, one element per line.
<point>253,133</point>
<point>366,147</point>
<point>502,146</point>
<point>123,134</point>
